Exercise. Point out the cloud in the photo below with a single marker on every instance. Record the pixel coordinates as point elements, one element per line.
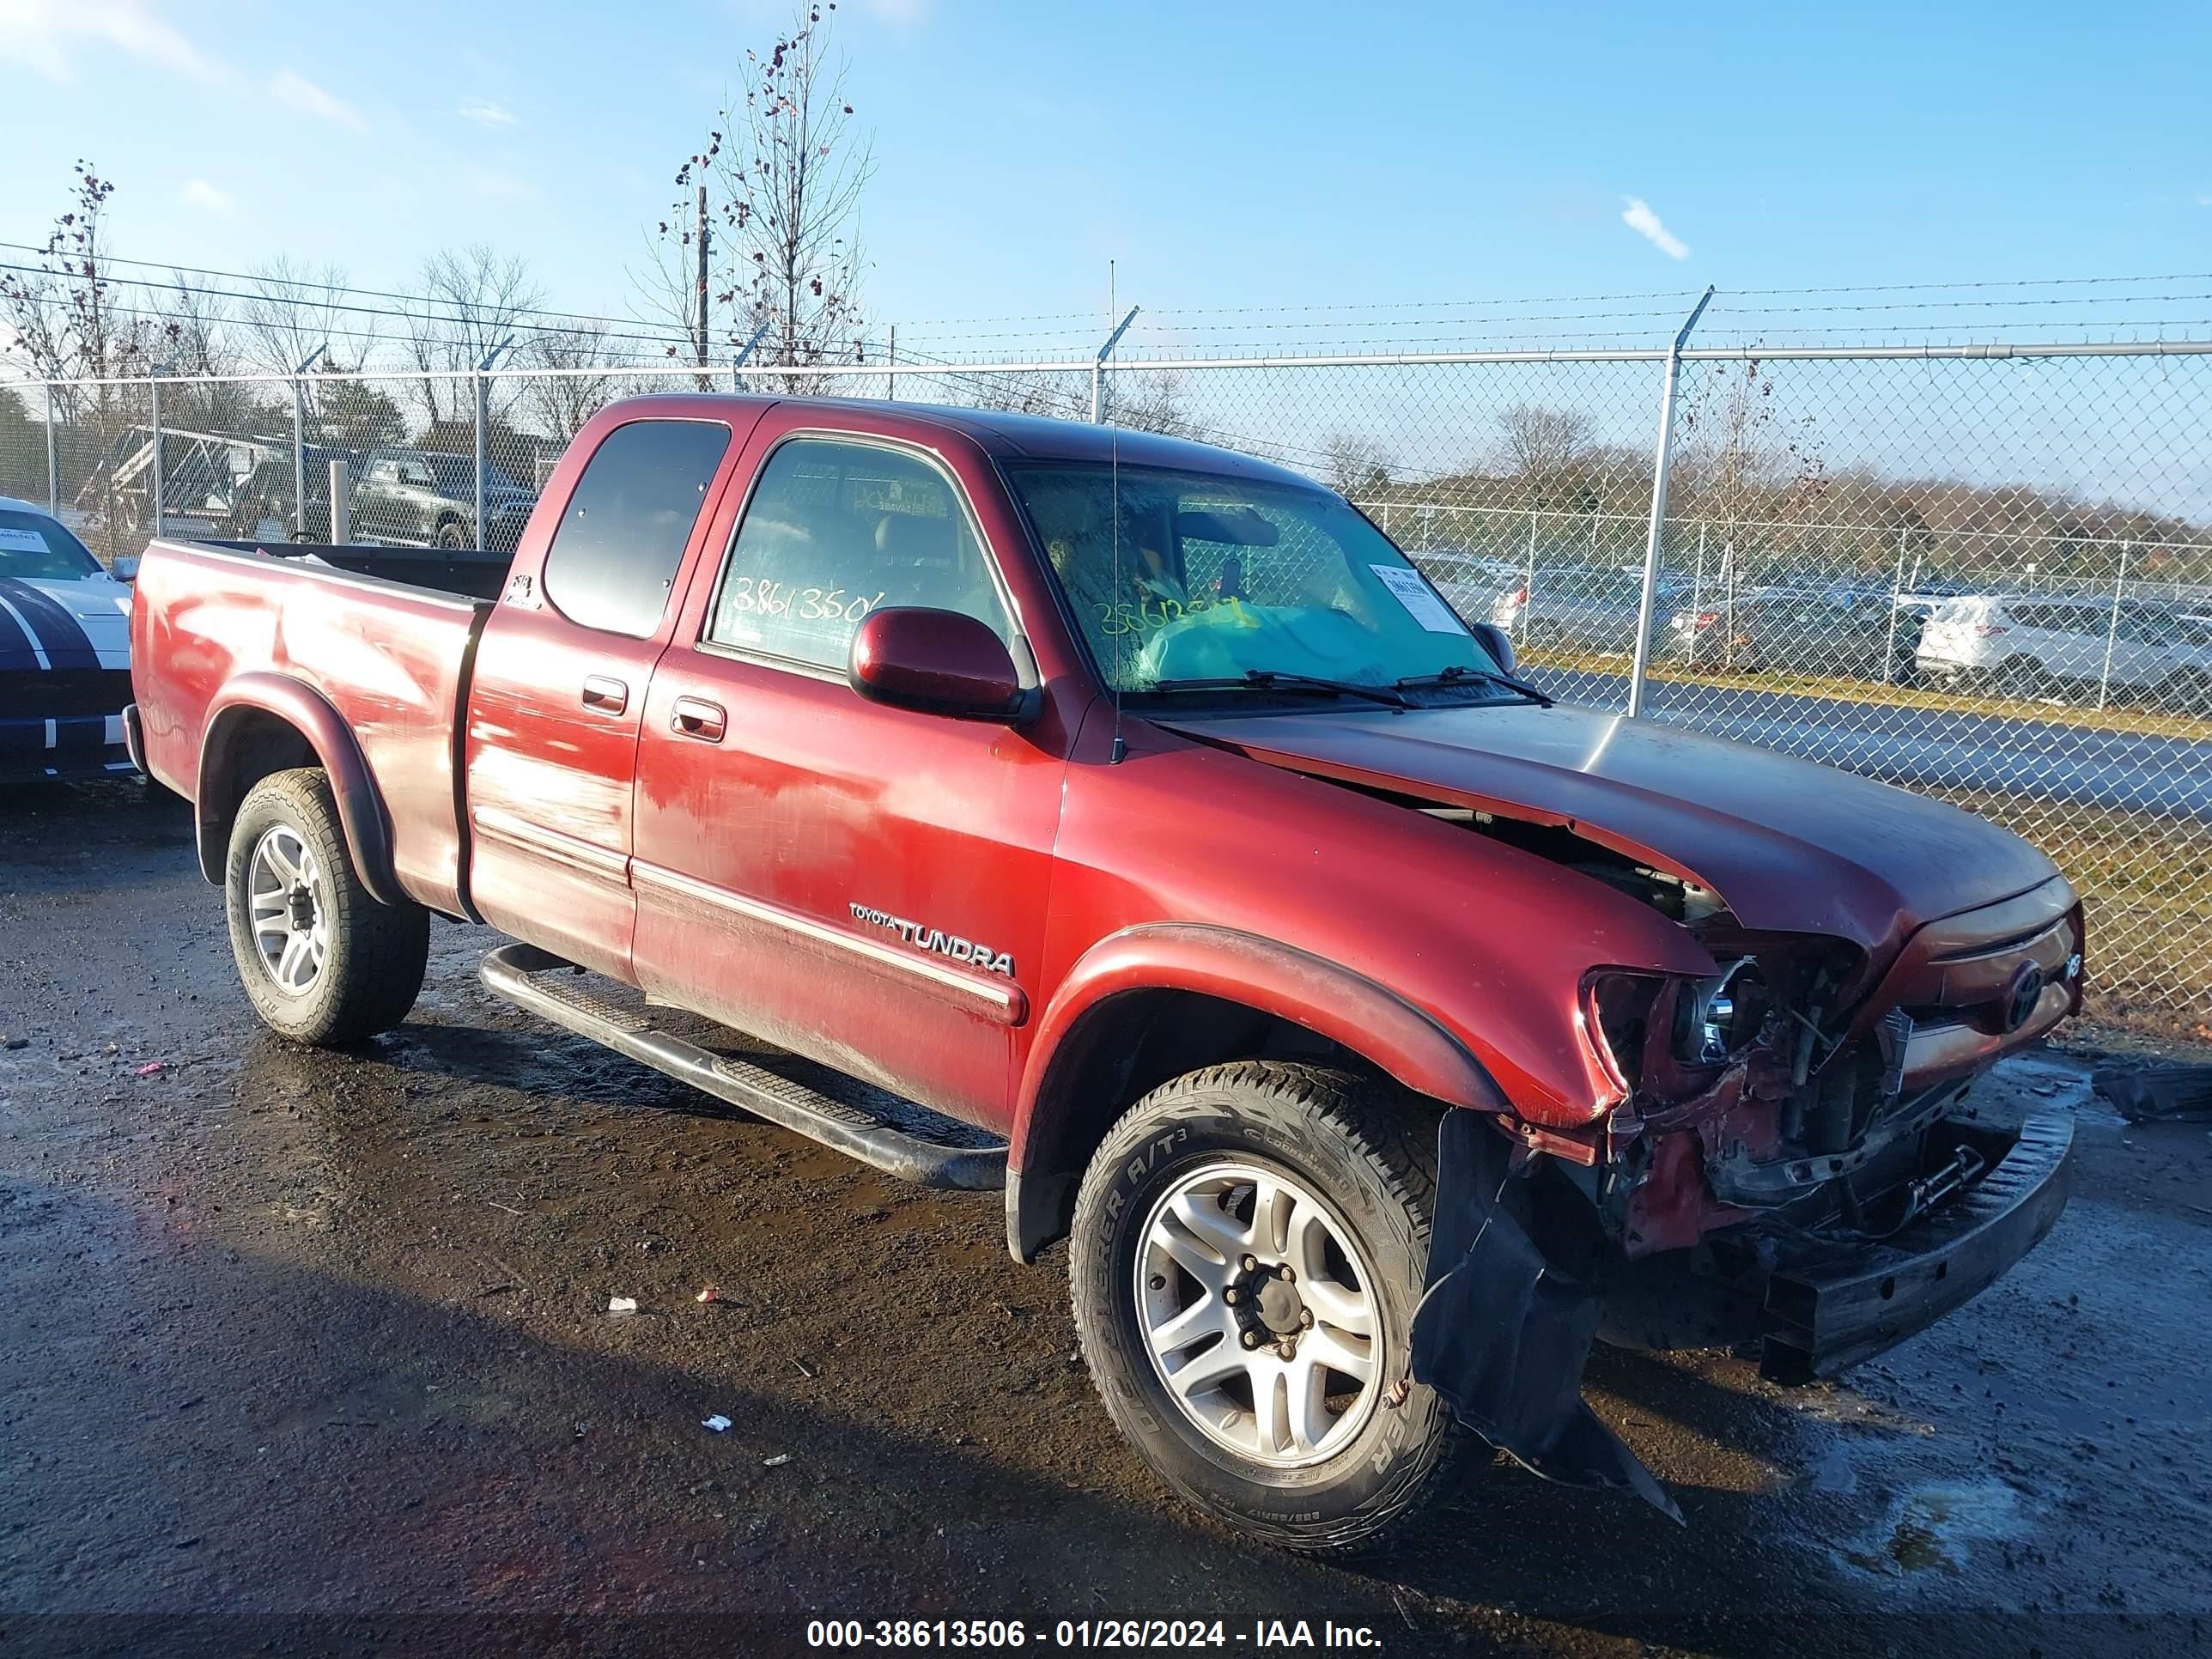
<point>296,92</point>
<point>40,33</point>
<point>1639,218</point>
<point>2205,199</point>
<point>486,114</point>
<point>198,193</point>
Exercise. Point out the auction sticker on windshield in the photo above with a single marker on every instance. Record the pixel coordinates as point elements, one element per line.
<point>1419,599</point>
<point>21,541</point>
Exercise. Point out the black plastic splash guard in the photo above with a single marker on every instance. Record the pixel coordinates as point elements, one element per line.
<point>1503,1332</point>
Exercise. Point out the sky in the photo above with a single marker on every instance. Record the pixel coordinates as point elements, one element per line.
<point>1232,162</point>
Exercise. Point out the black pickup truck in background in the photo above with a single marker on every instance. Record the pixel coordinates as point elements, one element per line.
<point>421,498</point>
<point>397,497</point>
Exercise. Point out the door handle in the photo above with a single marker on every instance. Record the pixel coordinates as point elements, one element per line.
<point>608,696</point>
<point>695,717</point>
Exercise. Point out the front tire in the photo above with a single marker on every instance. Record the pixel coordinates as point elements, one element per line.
<point>1250,1244</point>
<point>321,960</point>
<point>452,537</point>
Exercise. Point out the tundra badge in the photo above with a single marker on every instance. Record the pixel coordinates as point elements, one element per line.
<point>933,939</point>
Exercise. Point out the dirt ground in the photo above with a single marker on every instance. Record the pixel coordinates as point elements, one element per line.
<point>311,1353</point>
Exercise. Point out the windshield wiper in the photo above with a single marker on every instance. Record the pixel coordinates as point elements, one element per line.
<point>1464,673</point>
<point>1270,679</point>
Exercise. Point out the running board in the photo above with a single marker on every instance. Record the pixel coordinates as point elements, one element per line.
<point>553,989</point>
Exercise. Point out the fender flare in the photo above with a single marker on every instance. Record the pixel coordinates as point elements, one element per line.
<point>1276,979</point>
<point>299,705</point>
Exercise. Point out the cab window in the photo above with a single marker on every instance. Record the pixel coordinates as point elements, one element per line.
<point>836,529</point>
<point>621,536</point>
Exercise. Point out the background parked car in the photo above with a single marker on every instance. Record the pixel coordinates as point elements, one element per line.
<point>1851,635</point>
<point>1580,607</point>
<point>65,652</point>
<point>421,498</point>
<point>2038,647</point>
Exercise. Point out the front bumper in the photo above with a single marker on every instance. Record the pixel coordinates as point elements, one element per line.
<point>35,749</point>
<point>1828,1307</point>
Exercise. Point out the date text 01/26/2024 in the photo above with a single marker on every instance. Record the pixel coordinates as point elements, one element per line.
<point>1124,1633</point>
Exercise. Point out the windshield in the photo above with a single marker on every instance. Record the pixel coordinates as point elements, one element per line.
<point>1218,578</point>
<point>33,544</point>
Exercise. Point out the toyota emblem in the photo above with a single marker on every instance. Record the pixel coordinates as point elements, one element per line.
<point>2020,999</point>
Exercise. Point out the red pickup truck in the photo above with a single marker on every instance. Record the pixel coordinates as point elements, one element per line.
<point>1127,823</point>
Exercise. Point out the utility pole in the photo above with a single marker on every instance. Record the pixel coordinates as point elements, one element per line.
<point>699,314</point>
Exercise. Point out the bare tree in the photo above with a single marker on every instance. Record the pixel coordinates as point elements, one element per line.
<point>1356,467</point>
<point>291,310</point>
<point>561,402</point>
<point>1063,394</point>
<point>196,337</point>
<point>60,319</point>
<point>472,298</point>
<point>1542,446</point>
<point>1150,403</point>
<point>785,170</point>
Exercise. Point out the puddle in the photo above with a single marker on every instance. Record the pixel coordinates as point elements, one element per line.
<point>1931,1527</point>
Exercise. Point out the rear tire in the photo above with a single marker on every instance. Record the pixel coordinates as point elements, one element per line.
<point>2024,677</point>
<point>321,960</point>
<point>1333,1459</point>
<point>2189,692</point>
<point>452,537</point>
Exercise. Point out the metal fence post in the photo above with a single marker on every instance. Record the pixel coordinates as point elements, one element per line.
<point>299,443</point>
<point>298,462</point>
<point>1528,587</point>
<point>1642,664</point>
<point>2113,627</point>
<point>1099,368</point>
<point>53,457</point>
<point>341,504</point>
<point>481,405</point>
<point>1697,594</point>
<point>483,418</point>
<point>890,362</point>
<point>1896,591</point>
<point>154,387</point>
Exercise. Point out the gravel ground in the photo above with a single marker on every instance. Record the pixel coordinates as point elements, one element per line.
<point>309,1351</point>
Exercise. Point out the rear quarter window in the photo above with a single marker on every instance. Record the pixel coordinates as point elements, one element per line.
<point>621,535</point>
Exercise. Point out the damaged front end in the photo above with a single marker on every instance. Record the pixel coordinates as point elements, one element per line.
<point>1789,1159</point>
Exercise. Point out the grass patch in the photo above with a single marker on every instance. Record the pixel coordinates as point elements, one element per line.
<point>2144,722</point>
<point>2146,886</point>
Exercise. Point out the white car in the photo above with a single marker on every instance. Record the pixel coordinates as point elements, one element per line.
<point>2037,646</point>
<point>65,652</point>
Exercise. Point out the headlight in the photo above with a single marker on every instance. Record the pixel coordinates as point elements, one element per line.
<point>1716,1019</point>
<point>1619,1020</point>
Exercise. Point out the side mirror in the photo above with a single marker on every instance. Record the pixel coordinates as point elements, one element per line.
<point>1497,641</point>
<point>125,569</point>
<point>940,662</point>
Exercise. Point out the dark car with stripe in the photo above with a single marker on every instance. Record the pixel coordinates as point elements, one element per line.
<point>65,652</point>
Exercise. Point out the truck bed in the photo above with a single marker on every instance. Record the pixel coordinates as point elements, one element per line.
<point>385,638</point>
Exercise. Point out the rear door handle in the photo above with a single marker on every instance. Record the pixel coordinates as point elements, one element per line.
<point>608,696</point>
<point>695,717</point>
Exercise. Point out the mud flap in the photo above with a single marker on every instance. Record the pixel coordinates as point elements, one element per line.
<point>1504,1330</point>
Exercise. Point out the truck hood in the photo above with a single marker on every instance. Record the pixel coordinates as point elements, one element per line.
<point>1789,847</point>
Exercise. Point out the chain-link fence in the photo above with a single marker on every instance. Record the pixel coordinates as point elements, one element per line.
<point>1982,573</point>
